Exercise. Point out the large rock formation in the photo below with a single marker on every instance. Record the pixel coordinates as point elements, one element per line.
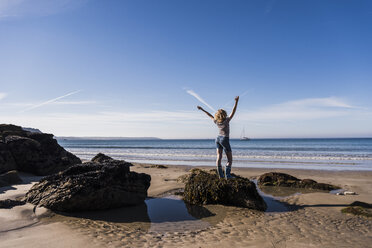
<point>204,187</point>
<point>285,180</point>
<point>7,162</point>
<point>91,186</point>
<point>33,152</point>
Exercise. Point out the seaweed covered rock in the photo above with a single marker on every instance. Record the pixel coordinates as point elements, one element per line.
<point>100,158</point>
<point>34,152</point>
<point>204,187</point>
<point>286,180</point>
<point>91,186</point>
<point>359,208</point>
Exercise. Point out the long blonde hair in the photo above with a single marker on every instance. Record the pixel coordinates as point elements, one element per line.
<point>220,115</point>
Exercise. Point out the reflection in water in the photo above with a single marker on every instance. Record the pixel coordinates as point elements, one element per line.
<point>273,205</point>
<point>282,192</point>
<point>164,214</point>
<point>272,202</point>
<point>118,215</point>
<point>198,212</point>
<point>172,214</point>
<point>172,208</point>
<point>154,210</point>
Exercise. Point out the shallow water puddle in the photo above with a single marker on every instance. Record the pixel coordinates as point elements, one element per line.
<point>172,208</point>
<point>173,214</point>
<point>272,196</point>
<point>272,200</point>
<point>273,203</point>
<point>164,214</point>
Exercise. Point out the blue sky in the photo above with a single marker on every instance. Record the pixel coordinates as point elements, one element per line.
<point>123,68</point>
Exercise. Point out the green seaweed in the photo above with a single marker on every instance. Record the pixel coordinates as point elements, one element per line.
<point>358,210</point>
<point>203,187</point>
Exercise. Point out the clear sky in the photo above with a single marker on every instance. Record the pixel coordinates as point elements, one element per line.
<point>123,68</point>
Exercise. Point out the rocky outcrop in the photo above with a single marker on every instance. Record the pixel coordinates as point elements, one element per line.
<point>7,162</point>
<point>91,186</point>
<point>285,180</point>
<point>9,178</point>
<point>33,152</point>
<point>204,187</point>
<point>359,208</point>
<point>100,158</point>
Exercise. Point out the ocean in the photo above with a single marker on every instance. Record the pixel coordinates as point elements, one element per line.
<point>319,154</point>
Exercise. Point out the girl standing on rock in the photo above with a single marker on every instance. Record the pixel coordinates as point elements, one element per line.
<point>222,141</point>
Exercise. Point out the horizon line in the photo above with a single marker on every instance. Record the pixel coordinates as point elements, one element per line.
<point>157,138</point>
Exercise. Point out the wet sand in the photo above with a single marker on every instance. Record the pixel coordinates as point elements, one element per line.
<point>315,219</point>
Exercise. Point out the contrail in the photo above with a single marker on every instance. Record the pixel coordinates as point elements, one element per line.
<point>50,101</point>
<point>200,99</point>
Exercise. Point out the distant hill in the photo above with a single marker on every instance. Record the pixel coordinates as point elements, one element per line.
<point>106,138</point>
<point>32,130</point>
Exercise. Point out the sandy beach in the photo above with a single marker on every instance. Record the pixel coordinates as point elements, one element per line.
<point>117,116</point>
<point>313,219</point>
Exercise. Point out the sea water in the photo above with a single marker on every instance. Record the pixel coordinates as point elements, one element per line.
<point>321,154</point>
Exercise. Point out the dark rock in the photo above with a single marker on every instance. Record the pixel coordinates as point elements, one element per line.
<point>100,158</point>
<point>203,187</point>
<point>285,180</point>
<point>8,129</point>
<point>11,203</point>
<point>9,178</point>
<point>91,186</point>
<point>7,162</point>
<point>33,152</point>
<point>277,179</point>
<point>361,204</point>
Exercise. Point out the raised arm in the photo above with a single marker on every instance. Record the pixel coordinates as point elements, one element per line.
<point>234,108</point>
<point>207,113</point>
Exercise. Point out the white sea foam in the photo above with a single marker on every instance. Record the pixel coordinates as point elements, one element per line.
<point>190,155</point>
<point>301,154</point>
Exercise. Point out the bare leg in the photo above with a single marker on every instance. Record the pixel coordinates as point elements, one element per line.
<point>218,162</point>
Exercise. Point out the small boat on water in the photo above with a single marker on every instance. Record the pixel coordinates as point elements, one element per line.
<point>243,137</point>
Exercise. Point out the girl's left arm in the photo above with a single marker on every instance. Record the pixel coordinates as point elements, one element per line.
<point>234,108</point>
<point>206,112</point>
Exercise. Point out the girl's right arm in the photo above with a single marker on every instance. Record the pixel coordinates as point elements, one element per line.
<point>206,112</point>
<point>234,108</point>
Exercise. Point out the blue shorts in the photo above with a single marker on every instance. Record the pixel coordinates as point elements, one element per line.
<point>223,142</point>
